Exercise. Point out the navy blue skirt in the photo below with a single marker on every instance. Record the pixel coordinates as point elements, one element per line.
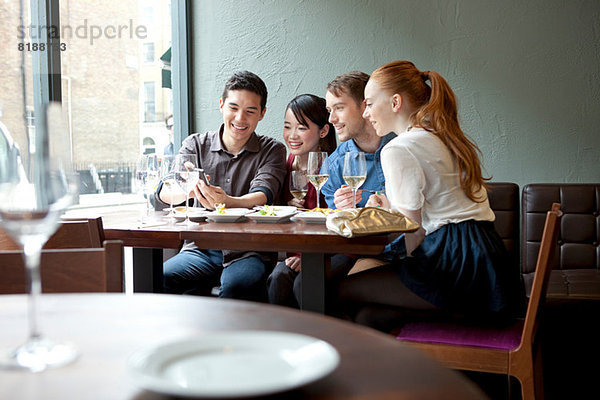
<point>460,267</point>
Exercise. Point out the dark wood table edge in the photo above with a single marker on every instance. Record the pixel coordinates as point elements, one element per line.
<point>148,255</point>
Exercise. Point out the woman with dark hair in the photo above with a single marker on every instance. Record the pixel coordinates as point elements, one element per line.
<point>456,261</point>
<point>306,128</point>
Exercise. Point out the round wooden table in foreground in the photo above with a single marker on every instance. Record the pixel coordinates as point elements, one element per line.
<point>107,328</point>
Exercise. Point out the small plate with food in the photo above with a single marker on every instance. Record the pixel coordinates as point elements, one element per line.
<point>223,214</point>
<point>271,214</point>
<point>278,209</point>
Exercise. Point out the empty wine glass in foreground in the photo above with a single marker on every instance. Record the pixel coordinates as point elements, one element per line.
<point>34,191</point>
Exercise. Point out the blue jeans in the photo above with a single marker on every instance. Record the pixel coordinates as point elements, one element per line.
<point>198,271</point>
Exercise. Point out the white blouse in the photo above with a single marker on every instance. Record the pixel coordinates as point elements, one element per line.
<point>420,173</point>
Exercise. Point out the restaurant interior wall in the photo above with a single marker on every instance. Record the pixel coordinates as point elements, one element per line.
<point>526,74</point>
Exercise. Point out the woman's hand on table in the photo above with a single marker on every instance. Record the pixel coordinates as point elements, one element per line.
<point>342,198</point>
<point>378,200</point>
<point>294,263</point>
<point>296,203</point>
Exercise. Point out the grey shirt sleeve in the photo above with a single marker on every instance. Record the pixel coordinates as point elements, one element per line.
<point>271,172</point>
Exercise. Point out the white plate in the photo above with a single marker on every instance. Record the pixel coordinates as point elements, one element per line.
<point>181,210</point>
<point>278,208</point>
<point>231,215</point>
<point>310,217</point>
<point>233,364</point>
<point>196,214</point>
<point>279,216</point>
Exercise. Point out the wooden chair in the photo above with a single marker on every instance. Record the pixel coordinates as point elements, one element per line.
<point>510,350</point>
<point>67,270</point>
<point>72,234</point>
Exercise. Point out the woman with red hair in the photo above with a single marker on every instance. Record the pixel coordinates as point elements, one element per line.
<point>456,261</point>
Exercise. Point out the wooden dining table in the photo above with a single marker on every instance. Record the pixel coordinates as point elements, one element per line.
<point>108,328</point>
<point>314,241</point>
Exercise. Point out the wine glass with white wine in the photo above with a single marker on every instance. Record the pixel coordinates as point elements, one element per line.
<point>298,184</point>
<point>170,189</point>
<point>316,171</point>
<point>35,189</point>
<point>355,171</point>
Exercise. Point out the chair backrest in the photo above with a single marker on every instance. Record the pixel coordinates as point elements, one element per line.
<point>542,274</point>
<point>71,234</point>
<point>579,233</point>
<point>67,270</point>
<point>504,201</point>
<point>579,236</point>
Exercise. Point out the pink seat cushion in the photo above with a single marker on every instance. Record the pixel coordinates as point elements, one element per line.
<point>506,338</point>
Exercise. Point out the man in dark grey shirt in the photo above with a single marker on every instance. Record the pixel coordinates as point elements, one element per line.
<point>245,170</point>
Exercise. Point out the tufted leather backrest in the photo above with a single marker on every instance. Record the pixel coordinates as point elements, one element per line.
<point>504,201</point>
<point>579,236</point>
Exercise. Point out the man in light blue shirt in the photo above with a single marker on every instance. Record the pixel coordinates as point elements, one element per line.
<point>345,103</point>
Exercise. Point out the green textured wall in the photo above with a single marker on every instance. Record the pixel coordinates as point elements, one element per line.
<point>526,73</point>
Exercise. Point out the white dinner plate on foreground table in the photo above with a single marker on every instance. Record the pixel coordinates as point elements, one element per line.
<point>233,364</point>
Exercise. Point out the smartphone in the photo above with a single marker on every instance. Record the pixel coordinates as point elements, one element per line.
<point>203,175</point>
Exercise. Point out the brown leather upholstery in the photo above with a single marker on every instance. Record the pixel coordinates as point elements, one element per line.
<point>577,257</point>
<point>504,201</point>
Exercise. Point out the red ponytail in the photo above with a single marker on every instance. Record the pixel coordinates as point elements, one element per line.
<point>436,112</point>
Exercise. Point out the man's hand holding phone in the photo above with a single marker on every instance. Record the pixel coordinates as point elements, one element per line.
<point>203,176</point>
<point>209,196</point>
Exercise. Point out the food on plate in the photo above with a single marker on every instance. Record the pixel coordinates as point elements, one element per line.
<point>220,208</point>
<point>267,210</point>
<point>325,211</point>
<point>181,209</point>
